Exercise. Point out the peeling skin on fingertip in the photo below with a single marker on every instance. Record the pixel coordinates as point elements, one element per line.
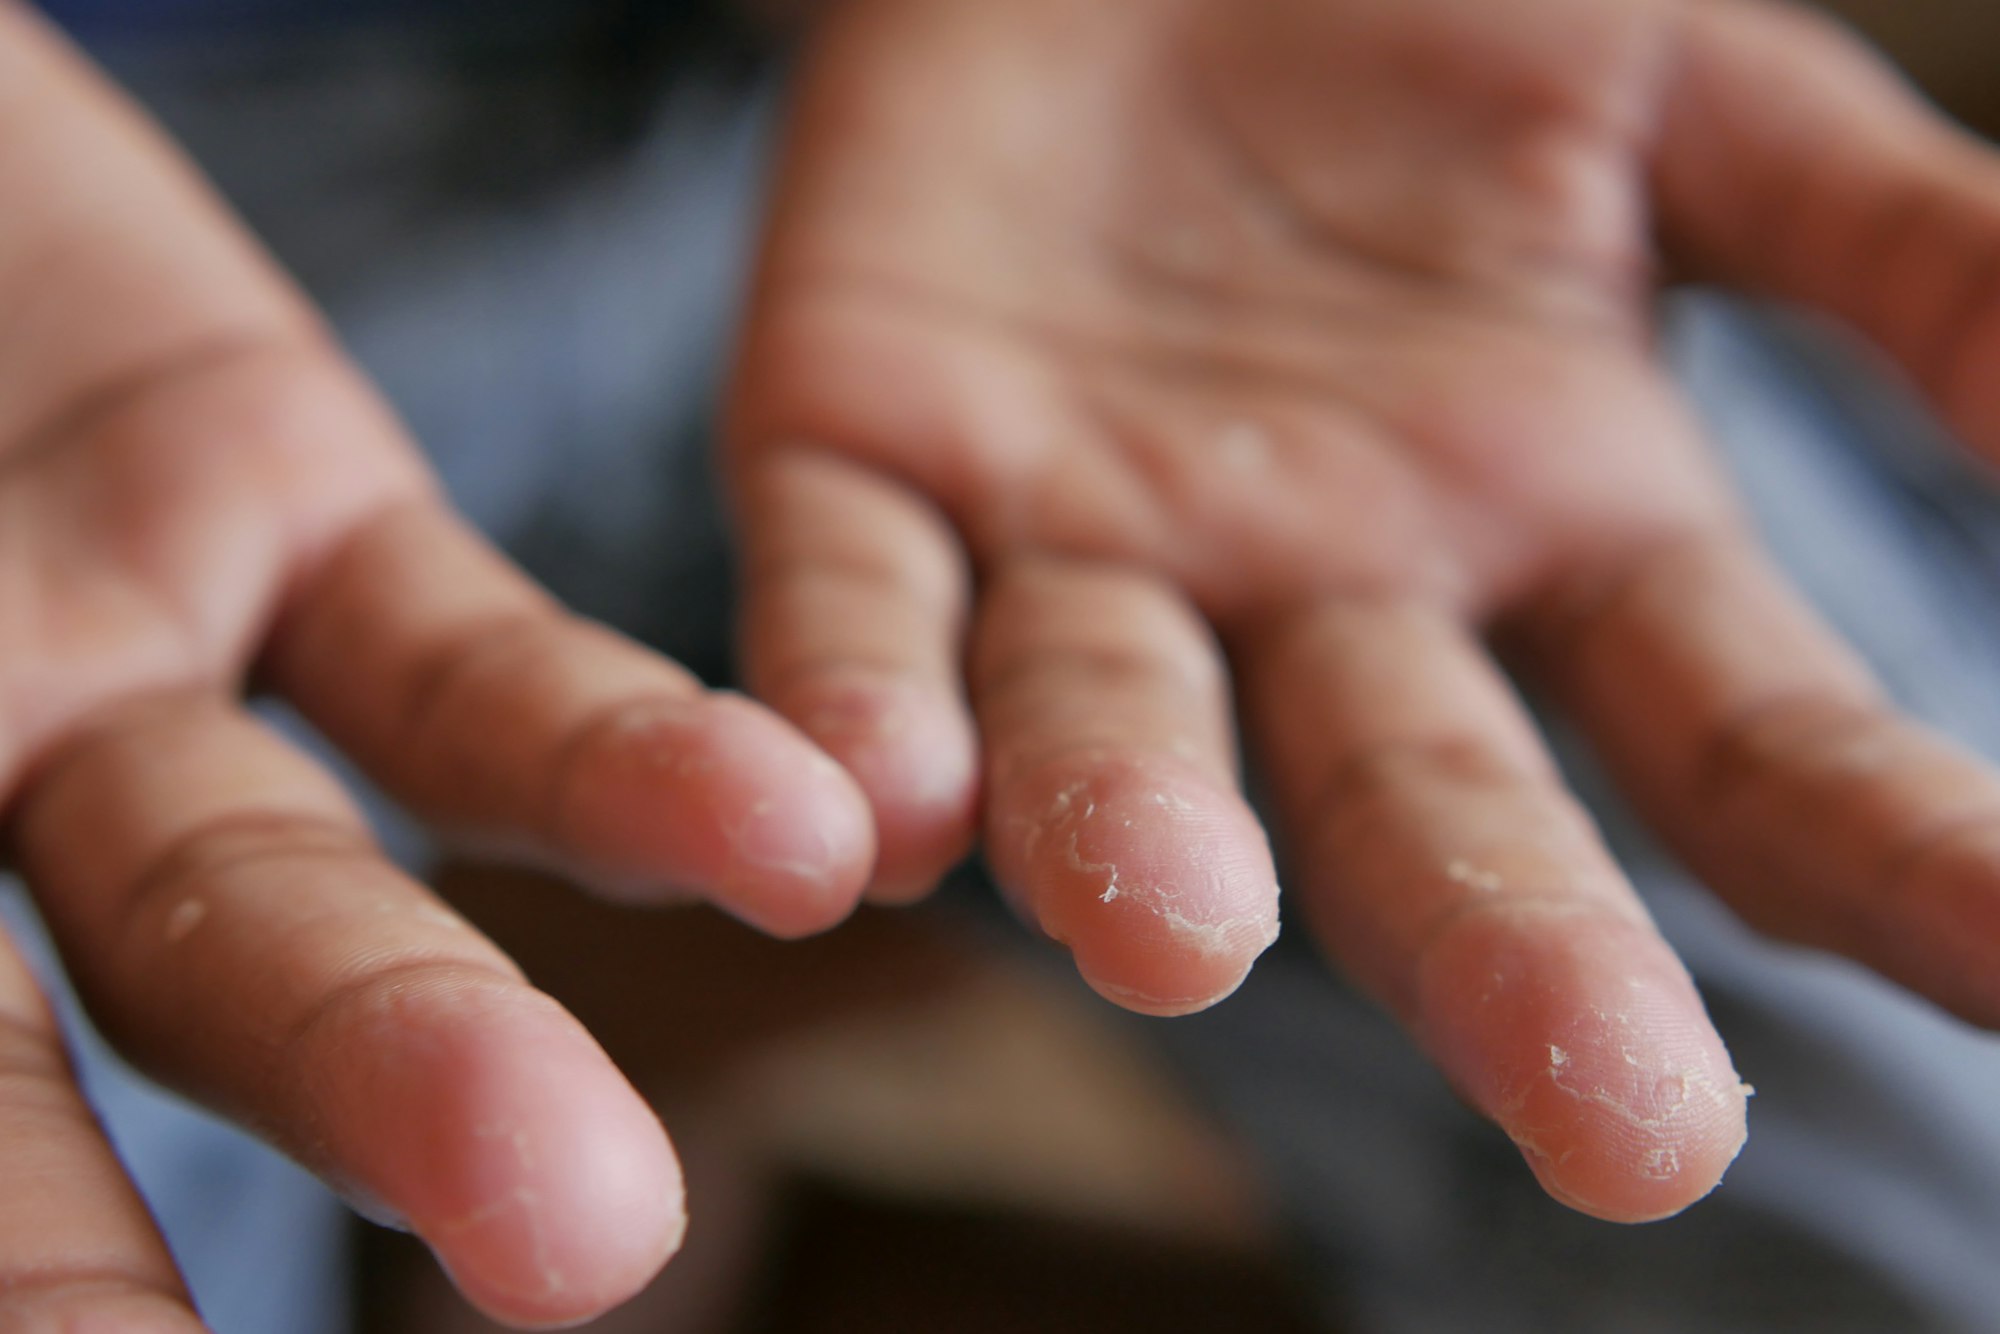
<point>771,843</point>
<point>1160,884</point>
<point>1204,931</point>
<point>817,867</point>
<point>1582,1038</point>
<point>1159,1007</point>
<point>1462,872</point>
<point>519,1211</point>
<point>546,1281</point>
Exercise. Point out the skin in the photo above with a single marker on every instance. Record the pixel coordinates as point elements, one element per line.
<point>197,495</point>
<point>1124,374</point>
<point>1150,358</point>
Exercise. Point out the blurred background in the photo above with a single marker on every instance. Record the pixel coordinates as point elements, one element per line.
<point>1948,46</point>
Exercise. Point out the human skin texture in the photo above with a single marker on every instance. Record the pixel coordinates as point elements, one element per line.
<point>198,494</point>
<point>1122,373</point>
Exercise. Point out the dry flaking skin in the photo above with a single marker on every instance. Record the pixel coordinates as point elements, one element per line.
<point>1161,932</point>
<point>1626,1106</point>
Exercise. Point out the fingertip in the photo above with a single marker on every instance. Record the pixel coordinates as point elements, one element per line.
<point>1161,885</point>
<point>915,756</point>
<point>485,1115</point>
<point>523,1263</point>
<point>722,797</point>
<point>1667,1185</point>
<point>1588,1046</point>
<point>594,1227</point>
<point>1630,1146</point>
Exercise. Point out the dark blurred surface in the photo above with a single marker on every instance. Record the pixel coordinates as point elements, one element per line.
<point>847,1263</point>
<point>1951,47</point>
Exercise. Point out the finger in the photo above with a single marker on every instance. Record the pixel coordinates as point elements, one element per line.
<point>1442,863</point>
<point>855,596</point>
<point>78,1249</point>
<point>1758,743</point>
<point>1793,161</point>
<point>1113,818</point>
<point>474,698</point>
<point>231,927</point>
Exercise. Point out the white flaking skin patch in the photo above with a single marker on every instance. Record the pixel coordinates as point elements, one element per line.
<point>1462,872</point>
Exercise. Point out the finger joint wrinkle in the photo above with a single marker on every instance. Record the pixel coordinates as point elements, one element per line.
<point>1460,760</point>
<point>229,843</point>
<point>100,400</point>
<point>439,673</point>
<point>1758,738</point>
<point>384,984</point>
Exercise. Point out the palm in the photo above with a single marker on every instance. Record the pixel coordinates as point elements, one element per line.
<point>1235,338</point>
<point>151,526</point>
<point>1323,325</point>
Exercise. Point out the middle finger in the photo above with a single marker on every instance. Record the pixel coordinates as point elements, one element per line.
<point>1113,816</point>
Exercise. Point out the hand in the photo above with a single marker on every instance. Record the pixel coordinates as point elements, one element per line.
<point>194,485</point>
<point>1317,334</point>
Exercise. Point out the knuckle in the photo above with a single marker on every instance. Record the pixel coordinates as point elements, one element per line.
<point>231,842</point>
<point>1745,751</point>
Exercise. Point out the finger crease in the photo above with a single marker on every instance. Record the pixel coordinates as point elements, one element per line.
<point>571,753</point>
<point>1366,773</point>
<point>1763,735</point>
<point>770,576</point>
<point>1105,669</point>
<point>110,723</point>
<point>231,842</point>
<point>439,672</point>
<point>845,669</point>
<point>382,978</point>
<point>1472,908</point>
<point>1927,845</point>
<point>99,400</point>
<point>1579,611</point>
